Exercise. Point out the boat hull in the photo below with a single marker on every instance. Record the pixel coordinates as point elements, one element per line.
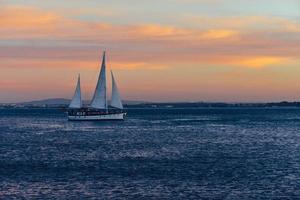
<point>100,117</point>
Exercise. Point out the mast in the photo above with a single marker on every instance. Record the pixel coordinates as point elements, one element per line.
<point>76,100</point>
<point>99,100</point>
<point>115,95</point>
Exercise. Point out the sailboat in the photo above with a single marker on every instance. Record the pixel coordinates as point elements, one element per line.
<point>98,108</point>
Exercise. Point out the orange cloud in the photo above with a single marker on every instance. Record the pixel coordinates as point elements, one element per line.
<point>26,22</point>
<point>146,46</point>
<point>219,34</point>
<point>261,61</point>
<point>21,17</point>
<point>157,31</point>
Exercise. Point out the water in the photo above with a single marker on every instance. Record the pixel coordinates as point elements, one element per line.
<point>153,154</point>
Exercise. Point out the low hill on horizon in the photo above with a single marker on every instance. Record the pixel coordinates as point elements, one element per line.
<point>62,102</point>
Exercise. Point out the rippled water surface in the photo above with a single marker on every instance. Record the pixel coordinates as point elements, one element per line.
<point>153,154</point>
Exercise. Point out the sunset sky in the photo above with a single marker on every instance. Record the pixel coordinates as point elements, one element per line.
<point>160,50</point>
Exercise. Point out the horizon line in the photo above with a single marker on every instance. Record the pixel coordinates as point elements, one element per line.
<point>162,102</point>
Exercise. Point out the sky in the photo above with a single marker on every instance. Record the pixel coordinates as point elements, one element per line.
<point>159,50</point>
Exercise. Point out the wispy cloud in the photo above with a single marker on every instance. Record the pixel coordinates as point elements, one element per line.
<point>230,39</point>
<point>35,43</point>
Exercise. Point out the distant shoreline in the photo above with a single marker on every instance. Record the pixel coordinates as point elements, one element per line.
<point>137,104</point>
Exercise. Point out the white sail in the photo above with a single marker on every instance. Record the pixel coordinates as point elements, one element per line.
<point>115,95</point>
<point>76,101</point>
<point>99,100</point>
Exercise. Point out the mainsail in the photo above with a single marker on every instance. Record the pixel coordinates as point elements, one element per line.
<point>99,100</point>
<point>76,101</point>
<point>115,95</point>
